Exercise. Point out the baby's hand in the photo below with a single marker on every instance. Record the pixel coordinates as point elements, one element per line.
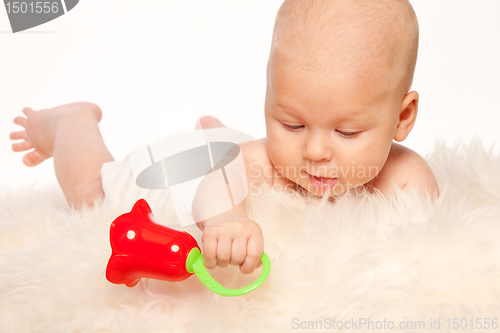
<point>233,240</point>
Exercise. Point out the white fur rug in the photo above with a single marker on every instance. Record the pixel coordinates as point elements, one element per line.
<point>361,258</point>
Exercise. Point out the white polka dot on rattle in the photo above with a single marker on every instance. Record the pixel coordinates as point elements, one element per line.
<point>175,248</point>
<point>130,234</point>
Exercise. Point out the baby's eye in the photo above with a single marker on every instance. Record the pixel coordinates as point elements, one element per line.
<point>294,126</point>
<point>346,134</point>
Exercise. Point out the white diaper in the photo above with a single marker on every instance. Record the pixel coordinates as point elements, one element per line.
<point>119,178</point>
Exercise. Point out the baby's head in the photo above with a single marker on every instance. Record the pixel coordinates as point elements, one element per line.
<point>337,89</point>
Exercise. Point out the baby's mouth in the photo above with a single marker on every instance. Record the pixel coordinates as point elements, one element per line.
<point>322,183</point>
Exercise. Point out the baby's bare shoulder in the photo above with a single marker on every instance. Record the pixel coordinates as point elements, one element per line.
<point>407,170</point>
<point>257,162</point>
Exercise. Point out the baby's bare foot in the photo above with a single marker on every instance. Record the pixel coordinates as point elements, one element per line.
<point>208,122</point>
<point>40,130</point>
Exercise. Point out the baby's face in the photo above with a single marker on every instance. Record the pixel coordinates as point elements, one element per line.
<point>335,127</point>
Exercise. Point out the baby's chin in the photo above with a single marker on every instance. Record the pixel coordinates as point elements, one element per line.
<point>331,193</point>
<point>336,191</point>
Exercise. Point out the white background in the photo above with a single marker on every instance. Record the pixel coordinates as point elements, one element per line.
<point>154,67</point>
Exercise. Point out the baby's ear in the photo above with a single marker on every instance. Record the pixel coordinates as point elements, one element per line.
<point>407,116</point>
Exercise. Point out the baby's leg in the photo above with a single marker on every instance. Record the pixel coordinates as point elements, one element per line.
<point>71,134</point>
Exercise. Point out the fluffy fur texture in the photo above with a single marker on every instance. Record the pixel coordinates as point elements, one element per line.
<point>360,257</point>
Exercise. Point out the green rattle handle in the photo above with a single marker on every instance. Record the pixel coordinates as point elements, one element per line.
<point>194,264</point>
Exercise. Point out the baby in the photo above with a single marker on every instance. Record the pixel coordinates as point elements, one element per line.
<point>338,94</point>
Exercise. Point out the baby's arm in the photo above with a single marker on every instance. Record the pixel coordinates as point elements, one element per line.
<point>231,237</point>
<point>407,170</point>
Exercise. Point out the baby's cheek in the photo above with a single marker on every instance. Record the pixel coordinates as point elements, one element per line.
<point>365,170</point>
<point>372,168</point>
<point>279,153</point>
<point>277,159</point>
<point>273,154</point>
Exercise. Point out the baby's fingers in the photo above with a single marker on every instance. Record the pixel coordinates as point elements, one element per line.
<point>254,252</point>
<point>238,251</point>
<point>223,251</point>
<point>210,252</point>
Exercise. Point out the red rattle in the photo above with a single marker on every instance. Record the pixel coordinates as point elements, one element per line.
<point>143,248</point>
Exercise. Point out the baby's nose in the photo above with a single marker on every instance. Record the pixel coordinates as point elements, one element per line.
<point>317,147</point>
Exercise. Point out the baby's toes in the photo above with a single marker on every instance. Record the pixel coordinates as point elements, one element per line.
<point>21,121</point>
<point>33,158</point>
<point>22,146</point>
<point>18,135</point>
<point>28,111</point>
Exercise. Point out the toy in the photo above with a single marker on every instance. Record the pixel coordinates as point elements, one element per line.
<point>143,248</point>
